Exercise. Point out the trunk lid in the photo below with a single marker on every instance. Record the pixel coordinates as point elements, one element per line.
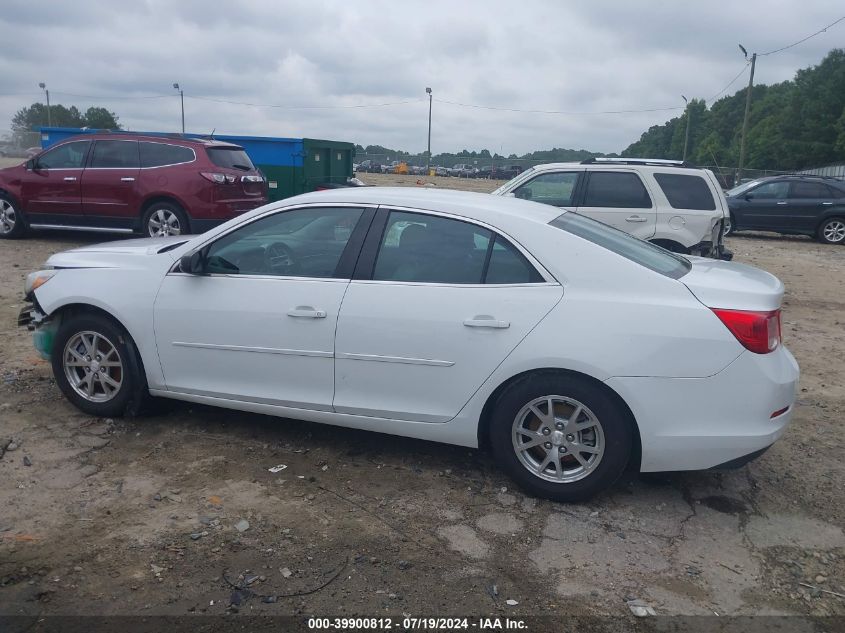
<point>720,284</point>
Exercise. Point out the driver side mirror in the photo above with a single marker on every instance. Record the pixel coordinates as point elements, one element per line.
<point>749,196</point>
<point>524,193</point>
<point>31,165</point>
<point>192,263</point>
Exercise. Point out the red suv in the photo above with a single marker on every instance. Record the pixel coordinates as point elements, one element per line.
<point>157,185</point>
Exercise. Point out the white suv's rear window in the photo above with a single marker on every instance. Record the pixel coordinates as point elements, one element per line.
<point>686,191</point>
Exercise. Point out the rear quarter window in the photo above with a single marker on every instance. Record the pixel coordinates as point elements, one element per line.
<point>643,253</point>
<point>161,154</point>
<point>686,191</point>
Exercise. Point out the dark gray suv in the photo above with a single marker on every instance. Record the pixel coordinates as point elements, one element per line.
<point>796,205</point>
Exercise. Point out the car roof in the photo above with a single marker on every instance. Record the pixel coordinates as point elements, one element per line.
<point>169,138</point>
<point>500,211</point>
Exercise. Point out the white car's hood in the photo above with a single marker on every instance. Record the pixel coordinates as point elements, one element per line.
<point>117,253</point>
<point>730,285</point>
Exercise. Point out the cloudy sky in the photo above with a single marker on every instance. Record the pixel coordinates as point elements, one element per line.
<point>317,59</point>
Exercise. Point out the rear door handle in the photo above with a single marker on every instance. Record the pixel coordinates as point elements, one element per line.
<point>127,179</point>
<point>70,178</point>
<point>484,320</point>
<point>827,204</point>
<point>306,312</point>
<point>636,218</point>
<point>781,204</point>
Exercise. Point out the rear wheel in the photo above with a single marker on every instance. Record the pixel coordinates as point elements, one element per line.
<point>11,220</point>
<point>163,219</point>
<point>95,366</point>
<point>560,437</point>
<point>832,231</point>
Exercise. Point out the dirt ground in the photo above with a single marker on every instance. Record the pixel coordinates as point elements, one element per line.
<point>142,516</point>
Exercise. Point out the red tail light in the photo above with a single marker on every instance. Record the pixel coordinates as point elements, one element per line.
<point>217,178</point>
<point>758,332</point>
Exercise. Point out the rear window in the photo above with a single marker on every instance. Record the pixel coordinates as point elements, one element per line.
<point>644,253</point>
<point>230,158</point>
<point>617,190</point>
<point>685,191</point>
<point>161,154</point>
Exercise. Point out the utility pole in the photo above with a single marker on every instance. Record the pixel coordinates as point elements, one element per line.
<point>182,98</point>
<point>43,86</point>
<point>745,120</point>
<point>428,152</point>
<point>686,138</point>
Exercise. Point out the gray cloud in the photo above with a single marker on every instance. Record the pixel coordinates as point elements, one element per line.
<point>576,56</point>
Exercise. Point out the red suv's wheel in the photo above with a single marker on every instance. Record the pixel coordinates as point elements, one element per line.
<point>163,219</point>
<point>11,220</point>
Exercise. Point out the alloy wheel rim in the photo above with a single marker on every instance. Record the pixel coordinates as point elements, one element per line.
<point>93,366</point>
<point>163,222</point>
<point>558,439</point>
<point>728,226</point>
<point>834,231</point>
<point>8,217</point>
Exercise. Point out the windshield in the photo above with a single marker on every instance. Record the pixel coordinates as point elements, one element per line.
<point>505,187</point>
<point>740,189</point>
<point>230,157</point>
<point>644,253</point>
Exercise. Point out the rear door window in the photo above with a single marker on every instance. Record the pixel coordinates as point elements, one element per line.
<point>230,158</point>
<point>161,154</point>
<point>811,190</point>
<point>616,189</point>
<point>115,155</point>
<point>685,191</point>
<point>423,248</point>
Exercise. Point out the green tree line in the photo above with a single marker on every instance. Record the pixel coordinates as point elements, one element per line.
<point>32,117</point>
<point>795,124</point>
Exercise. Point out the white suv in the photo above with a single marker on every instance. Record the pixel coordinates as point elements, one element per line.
<point>670,203</point>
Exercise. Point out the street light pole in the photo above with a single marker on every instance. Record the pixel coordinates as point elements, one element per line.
<point>428,152</point>
<point>182,99</point>
<point>745,119</point>
<point>43,86</point>
<point>686,138</point>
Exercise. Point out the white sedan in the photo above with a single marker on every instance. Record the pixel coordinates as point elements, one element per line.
<point>570,349</point>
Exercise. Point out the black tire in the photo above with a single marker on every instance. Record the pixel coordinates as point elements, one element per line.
<point>613,420</point>
<point>12,222</point>
<point>132,383</point>
<point>832,231</point>
<point>167,211</point>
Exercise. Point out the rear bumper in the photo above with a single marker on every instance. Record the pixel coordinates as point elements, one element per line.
<point>701,423</point>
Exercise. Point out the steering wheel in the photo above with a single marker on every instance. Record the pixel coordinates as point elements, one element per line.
<point>280,259</point>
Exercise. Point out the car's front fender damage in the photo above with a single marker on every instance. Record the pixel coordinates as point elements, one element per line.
<point>42,326</point>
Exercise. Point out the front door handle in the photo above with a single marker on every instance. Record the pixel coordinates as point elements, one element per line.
<point>127,179</point>
<point>636,218</point>
<point>70,178</point>
<point>485,320</point>
<point>306,312</point>
<point>782,203</point>
<point>827,204</point>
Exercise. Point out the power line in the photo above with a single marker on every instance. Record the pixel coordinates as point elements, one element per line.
<point>820,31</point>
<point>731,83</point>
<point>499,109</point>
<point>305,107</point>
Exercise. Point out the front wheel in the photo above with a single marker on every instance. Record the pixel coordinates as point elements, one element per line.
<point>832,231</point>
<point>163,219</point>
<point>95,366</point>
<point>728,224</point>
<point>560,437</point>
<point>12,225</point>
